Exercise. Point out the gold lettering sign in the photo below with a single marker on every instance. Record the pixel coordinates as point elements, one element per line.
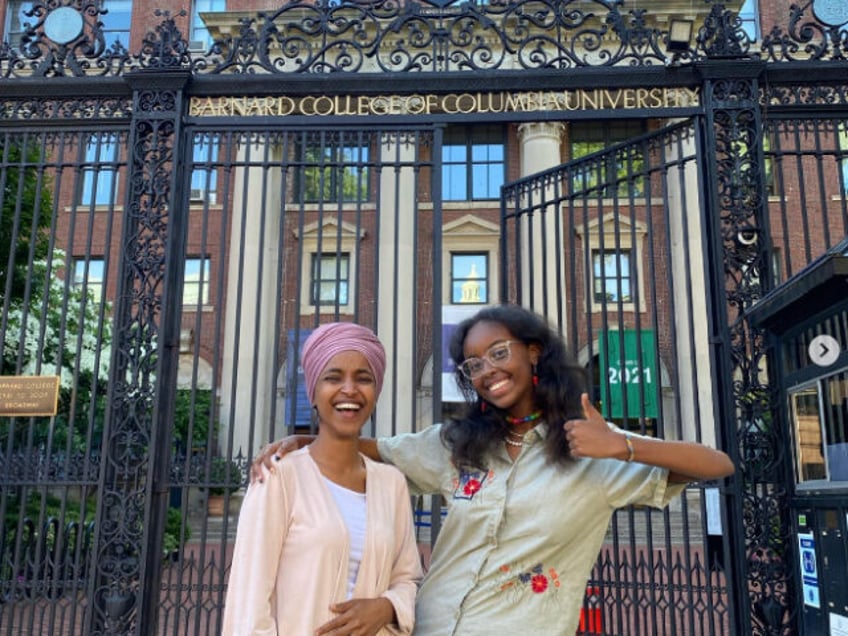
<point>451,104</point>
<point>29,395</point>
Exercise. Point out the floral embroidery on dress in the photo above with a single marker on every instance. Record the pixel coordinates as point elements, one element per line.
<point>469,483</point>
<point>536,578</point>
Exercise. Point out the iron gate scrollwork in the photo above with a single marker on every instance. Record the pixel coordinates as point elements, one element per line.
<point>741,263</point>
<point>421,37</point>
<point>137,431</point>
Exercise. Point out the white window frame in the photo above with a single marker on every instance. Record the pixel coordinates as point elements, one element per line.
<point>112,34</point>
<point>749,15</point>
<point>90,273</point>
<point>99,175</point>
<point>625,242</point>
<point>483,297</point>
<point>339,262</point>
<point>624,273</point>
<point>842,140</point>
<point>199,37</point>
<point>204,178</point>
<point>201,283</point>
<point>333,240</point>
<point>470,234</point>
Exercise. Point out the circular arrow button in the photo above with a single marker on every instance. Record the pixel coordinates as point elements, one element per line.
<point>823,350</point>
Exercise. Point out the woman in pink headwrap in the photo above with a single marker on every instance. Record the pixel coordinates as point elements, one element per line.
<point>327,546</point>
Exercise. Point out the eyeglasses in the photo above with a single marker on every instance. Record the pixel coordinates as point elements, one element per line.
<point>497,355</point>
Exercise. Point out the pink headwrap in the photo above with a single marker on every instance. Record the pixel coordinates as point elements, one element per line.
<point>331,339</point>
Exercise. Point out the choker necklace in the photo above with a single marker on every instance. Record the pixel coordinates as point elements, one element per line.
<point>535,415</point>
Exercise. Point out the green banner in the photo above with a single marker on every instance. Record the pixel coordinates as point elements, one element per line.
<point>623,375</point>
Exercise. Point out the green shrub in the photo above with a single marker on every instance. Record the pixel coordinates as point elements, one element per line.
<point>224,476</point>
<point>173,524</point>
<point>53,509</point>
<point>196,415</point>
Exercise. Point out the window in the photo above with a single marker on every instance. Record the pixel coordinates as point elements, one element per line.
<point>334,173</point>
<point>330,250</point>
<point>843,155</point>
<point>613,276</point>
<point>776,268</point>
<point>820,422</point>
<point>612,173</point>
<point>88,274</point>
<point>749,15</point>
<point>116,22</point>
<point>470,255</point>
<point>204,176</point>
<point>17,21</point>
<point>330,279</point>
<point>469,278</point>
<point>196,282</point>
<point>616,247</point>
<point>200,39</point>
<point>99,173</point>
<point>473,162</point>
<point>769,178</point>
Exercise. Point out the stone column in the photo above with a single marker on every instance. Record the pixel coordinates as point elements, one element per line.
<point>543,279</point>
<point>249,378</point>
<point>397,247</point>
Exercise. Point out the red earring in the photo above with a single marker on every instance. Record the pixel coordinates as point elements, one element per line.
<point>482,406</point>
<point>535,377</point>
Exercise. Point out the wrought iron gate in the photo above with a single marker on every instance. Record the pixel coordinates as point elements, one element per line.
<point>104,506</point>
<point>636,207</point>
<point>165,262</point>
<point>679,225</point>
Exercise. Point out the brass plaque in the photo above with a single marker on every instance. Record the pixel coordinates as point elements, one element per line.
<point>29,395</point>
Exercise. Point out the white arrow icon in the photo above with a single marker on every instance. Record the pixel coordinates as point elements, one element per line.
<point>823,350</point>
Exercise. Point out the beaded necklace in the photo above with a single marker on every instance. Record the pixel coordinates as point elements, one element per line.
<point>535,415</point>
<point>518,438</point>
<point>515,439</point>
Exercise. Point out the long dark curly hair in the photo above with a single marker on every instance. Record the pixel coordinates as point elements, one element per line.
<point>475,433</point>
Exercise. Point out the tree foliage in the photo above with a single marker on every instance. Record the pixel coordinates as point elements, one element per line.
<point>51,326</point>
<point>60,329</point>
<point>25,210</point>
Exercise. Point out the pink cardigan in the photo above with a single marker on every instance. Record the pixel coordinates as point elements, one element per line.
<point>291,552</point>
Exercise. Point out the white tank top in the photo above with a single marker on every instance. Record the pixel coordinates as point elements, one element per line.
<point>352,507</point>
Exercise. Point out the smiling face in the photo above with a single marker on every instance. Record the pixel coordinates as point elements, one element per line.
<point>508,386</point>
<point>345,395</point>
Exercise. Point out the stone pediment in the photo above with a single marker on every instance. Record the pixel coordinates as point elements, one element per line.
<point>470,225</point>
<point>329,230</point>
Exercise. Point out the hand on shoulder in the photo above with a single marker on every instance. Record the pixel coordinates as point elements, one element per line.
<point>265,461</point>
